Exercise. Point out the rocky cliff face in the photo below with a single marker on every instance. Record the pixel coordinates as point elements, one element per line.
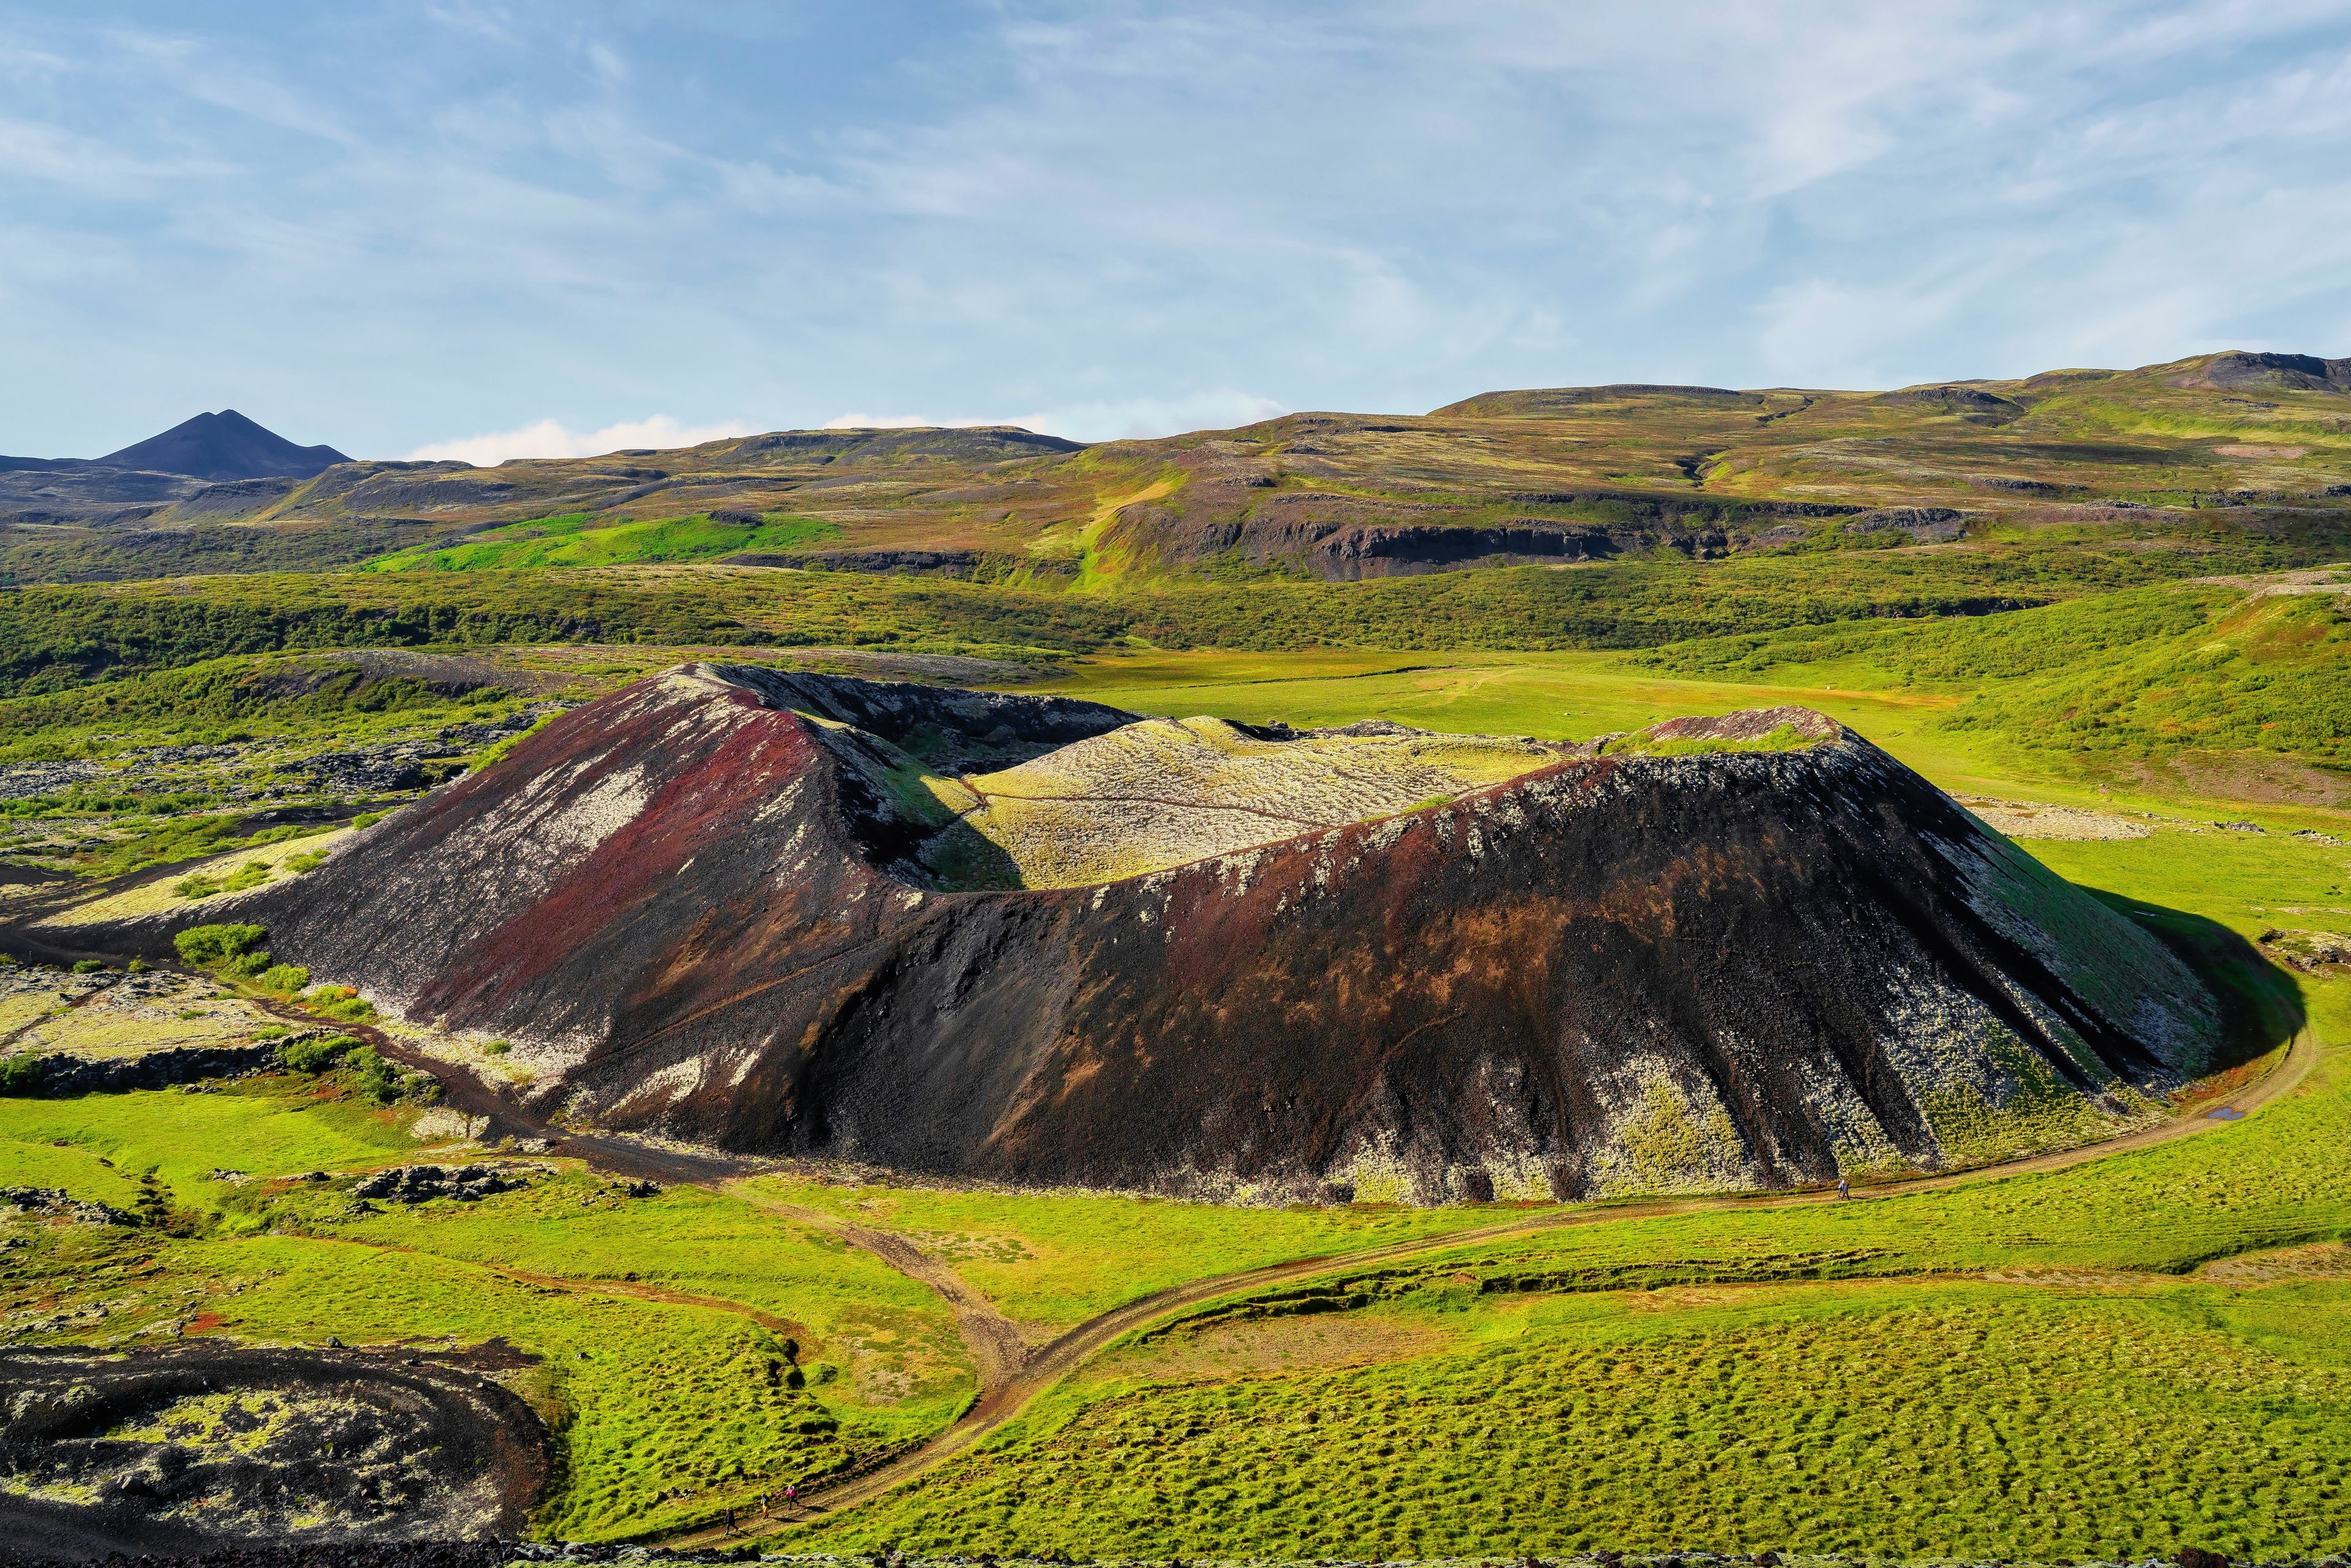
<point>1741,953</point>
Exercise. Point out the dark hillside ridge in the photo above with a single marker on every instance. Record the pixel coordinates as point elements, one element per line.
<point>1545,400</point>
<point>692,907</point>
<point>224,445</point>
<point>2299,372</point>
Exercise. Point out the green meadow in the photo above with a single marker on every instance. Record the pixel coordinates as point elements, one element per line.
<point>585,540</point>
<point>1054,1261</point>
<point>1944,1419</point>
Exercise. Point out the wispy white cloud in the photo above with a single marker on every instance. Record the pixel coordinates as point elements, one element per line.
<point>550,438</point>
<point>493,210</point>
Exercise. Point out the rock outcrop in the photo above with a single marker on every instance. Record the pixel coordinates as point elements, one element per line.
<point>727,905</point>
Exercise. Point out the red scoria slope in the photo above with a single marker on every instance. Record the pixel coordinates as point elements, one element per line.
<point>695,906</point>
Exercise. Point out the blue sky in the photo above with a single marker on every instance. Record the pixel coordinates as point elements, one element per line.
<point>493,229</point>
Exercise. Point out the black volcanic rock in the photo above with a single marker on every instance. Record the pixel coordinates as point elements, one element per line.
<point>2295,372</point>
<point>224,445</point>
<point>1748,952</point>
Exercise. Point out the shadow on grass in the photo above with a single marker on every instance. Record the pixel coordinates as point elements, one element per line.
<point>2260,1004</point>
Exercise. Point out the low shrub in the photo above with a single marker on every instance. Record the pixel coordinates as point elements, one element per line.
<point>198,884</point>
<point>245,966</point>
<point>87,967</point>
<point>21,1074</point>
<point>316,1055</point>
<point>283,979</point>
<point>207,946</point>
<point>312,1054</point>
<point>378,1079</point>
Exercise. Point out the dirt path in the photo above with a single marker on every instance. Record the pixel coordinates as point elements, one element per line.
<point>995,1341</point>
<point>1000,1403</point>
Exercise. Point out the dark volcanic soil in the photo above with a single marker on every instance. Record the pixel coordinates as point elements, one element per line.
<point>692,909</point>
<point>210,1445</point>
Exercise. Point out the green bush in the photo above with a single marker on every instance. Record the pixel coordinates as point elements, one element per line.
<point>138,966</point>
<point>308,860</point>
<point>314,1055</point>
<point>205,945</point>
<point>21,1074</point>
<point>379,1080</point>
<point>199,885</point>
<point>245,966</point>
<point>283,979</point>
<point>87,965</point>
<point>368,819</point>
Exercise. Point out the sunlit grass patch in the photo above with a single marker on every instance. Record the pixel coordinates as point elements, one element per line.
<point>1055,1259</point>
<point>1945,1421</point>
<point>580,539</point>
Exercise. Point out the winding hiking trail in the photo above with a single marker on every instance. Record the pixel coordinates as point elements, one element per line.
<point>1001,1401</point>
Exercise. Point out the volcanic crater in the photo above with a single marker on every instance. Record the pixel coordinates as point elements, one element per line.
<point>1040,941</point>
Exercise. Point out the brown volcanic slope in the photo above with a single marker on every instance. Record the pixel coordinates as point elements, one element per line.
<point>738,907</point>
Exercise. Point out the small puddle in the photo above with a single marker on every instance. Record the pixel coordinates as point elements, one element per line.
<point>2225,1114</point>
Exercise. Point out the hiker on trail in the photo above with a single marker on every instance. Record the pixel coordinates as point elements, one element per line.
<point>1843,1191</point>
<point>730,1520</point>
<point>791,1496</point>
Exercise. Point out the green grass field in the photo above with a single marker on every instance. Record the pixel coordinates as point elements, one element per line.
<point>583,539</point>
<point>1943,1420</point>
<point>1052,1261</point>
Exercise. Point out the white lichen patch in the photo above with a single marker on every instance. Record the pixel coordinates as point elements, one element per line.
<point>440,1124</point>
<point>1987,1094</point>
<point>1666,1135</point>
<point>1857,1140</point>
<point>110,1016</point>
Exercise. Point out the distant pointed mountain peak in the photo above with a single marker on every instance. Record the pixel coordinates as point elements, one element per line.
<point>224,445</point>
